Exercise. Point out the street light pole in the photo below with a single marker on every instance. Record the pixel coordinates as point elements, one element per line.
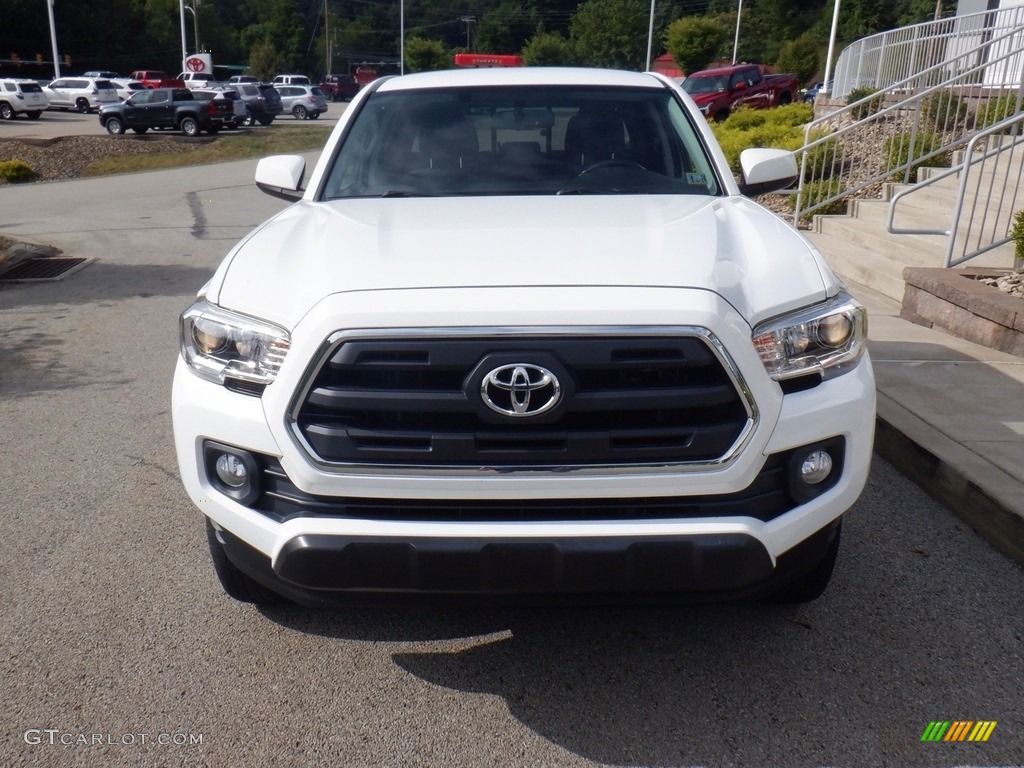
<point>53,40</point>
<point>184,47</point>
<point>650,36</point>
<point>736,38</point>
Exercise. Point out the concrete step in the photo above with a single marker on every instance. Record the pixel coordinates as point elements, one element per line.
<point>914,250</point>
<point>869,268</point>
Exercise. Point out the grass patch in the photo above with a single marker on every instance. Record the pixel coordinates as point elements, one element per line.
<point>175,152</point>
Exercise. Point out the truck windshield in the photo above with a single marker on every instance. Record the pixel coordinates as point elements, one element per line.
<point>710,84</point>
<point>520,140</point>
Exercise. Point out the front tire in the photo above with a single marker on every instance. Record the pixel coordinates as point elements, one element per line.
<point>248,119</point>
<point>267,120</point>
<point>6,111</point>
<point>114,126</point>
<point>299,112</point>
<point>314,115</point>
<point>190,126</point>
<point>235,583</point>
<point>82,105</point>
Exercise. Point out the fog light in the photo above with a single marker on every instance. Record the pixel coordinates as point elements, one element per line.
<point>815,468</point>
<point>232,470</point>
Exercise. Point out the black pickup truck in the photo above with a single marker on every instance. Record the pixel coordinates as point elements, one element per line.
<point>169,108</point>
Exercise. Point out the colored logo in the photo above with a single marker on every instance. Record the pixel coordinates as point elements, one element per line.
<point>958,730</point>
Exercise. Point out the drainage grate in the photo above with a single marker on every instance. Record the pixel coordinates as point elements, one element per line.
<point>40,268</point>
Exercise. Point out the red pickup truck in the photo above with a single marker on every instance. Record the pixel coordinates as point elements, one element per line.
<point>720,90</point>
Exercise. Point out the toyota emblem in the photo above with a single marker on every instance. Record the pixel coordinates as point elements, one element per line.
<point>520,390</point>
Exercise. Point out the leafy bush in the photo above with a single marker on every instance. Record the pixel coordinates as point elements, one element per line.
<point>900,150</point>
<point>1017,233</point>
<point>945,110</point>
<point>868,107</point>
<point>748,128</point>
<point>992,111</point>
<point>16,170</point>
<point>800,57</point>
<point>816,191</point>
<point>822,160</point>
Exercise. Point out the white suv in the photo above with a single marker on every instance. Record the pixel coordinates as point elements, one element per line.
<point>523,334</point>
<point>84,94</point>
<point>21,97</point>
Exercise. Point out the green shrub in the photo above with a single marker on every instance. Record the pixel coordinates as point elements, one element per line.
<point>779,128</point>
<point>822,159</point>
<point>992,111</point>
<point>868,107</point>
<point>900,150</point>
<point>1017,232</point>
<point>816,191</point>
<point>945,110</point>
<point>16,170</point>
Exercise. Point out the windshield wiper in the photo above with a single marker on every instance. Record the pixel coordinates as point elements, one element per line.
<point>405,193</point>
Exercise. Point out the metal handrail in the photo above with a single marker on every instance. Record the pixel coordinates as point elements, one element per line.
<point>881,60</point>
<point>1002,212</point>
<point>900,126</point>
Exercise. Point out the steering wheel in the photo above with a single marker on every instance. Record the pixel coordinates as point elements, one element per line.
<point>613,163</point>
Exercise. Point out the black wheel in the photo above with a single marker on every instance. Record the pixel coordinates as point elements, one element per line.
<point>722,116</point>
<point>34,114</point>
<point>114,126</point>
<point>140,131</point>
<point>6,111</point>
<point>190,126</point>
<point>299,112</point>
<point>237,584</point>
<point>314,115</point>
<point>812,584</point>
<point>266,120</point>
<point>213,130</point>
<point>82,105</point>
<point>785,98</point>
<point>248,119</point>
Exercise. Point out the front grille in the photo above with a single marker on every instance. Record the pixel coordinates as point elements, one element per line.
<point>417,403</point>
<point>766,498</point>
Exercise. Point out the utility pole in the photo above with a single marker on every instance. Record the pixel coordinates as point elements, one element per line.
<point>468,21</point>
<point>327,36</point>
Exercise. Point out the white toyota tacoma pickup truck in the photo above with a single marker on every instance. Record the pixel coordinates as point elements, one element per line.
<point>523,334</point>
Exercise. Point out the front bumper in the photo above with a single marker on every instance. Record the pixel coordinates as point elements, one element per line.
<point>335,571</point>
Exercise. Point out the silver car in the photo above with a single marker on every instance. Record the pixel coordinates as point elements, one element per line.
<point>85,94</point>
<point>302,101</point>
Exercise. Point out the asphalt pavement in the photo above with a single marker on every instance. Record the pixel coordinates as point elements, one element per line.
<point>951,418</point>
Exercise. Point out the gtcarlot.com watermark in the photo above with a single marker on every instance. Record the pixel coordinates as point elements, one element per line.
<point>56,737</point>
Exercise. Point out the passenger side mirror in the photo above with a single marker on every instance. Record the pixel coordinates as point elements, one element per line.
<point>767,170</point>
<point>281,176</point>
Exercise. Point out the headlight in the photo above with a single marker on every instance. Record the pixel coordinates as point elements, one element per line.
<point>219,345</point>
<point>828,339</point>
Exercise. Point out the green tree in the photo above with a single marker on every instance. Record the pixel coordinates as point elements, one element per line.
<point>695,41</point>
<point>264,60</point>
<point>610,33</point>
<point>507,28</point>
<point>422,55</point>
<point>800,57</point>
<point>548,49</point>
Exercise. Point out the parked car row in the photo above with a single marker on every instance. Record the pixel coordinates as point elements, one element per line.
<point>252,101</point>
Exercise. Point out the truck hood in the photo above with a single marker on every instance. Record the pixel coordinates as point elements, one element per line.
<point>729,245</point>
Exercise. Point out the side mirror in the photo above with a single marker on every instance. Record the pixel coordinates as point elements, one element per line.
<point>767,170</point>
<point>740,85</point>
<point>281,176</point>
